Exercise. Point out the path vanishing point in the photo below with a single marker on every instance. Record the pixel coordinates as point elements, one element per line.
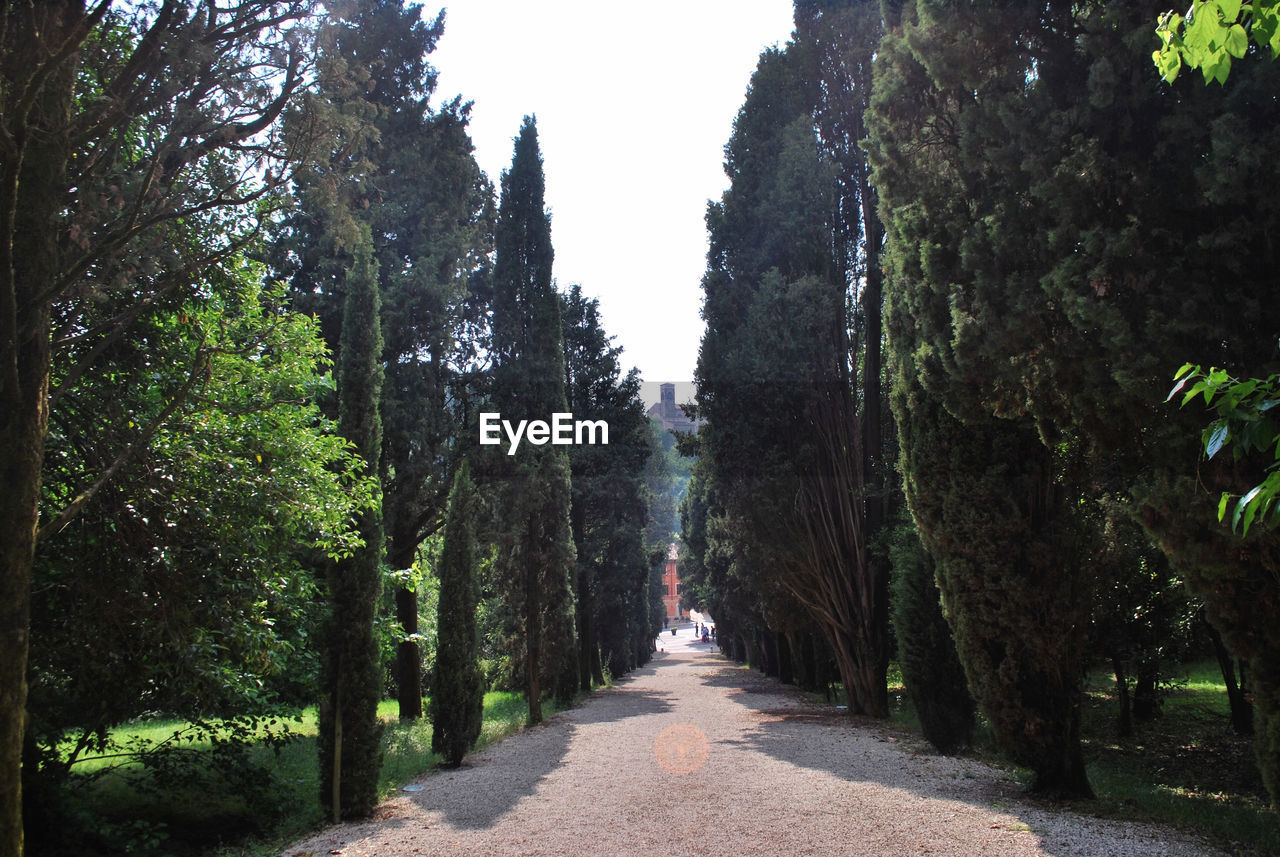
<point>693,756</point>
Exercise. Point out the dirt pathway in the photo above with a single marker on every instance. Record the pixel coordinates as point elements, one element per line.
<point>692,756</point>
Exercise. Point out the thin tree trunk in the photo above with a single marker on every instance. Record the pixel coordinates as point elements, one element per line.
<point>533,644</point>
<point>408,657</point>
<point>1124,719</point>
<point>1241,708</point>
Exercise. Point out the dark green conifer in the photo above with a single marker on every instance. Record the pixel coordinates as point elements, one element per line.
<point>931,669</point>
<point>536,551</point>
<point>776,375</point>
<point>1063,235</point>
<point>405,168</point>
<point>609,505</point>
<point>457,696</point>
<point>351,672</point>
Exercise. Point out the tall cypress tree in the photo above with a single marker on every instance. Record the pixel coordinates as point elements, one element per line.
<point>457,696</point>
<point>1060,243</point>
<point>536,551</point>
<point>351,677</point>
<point>609,509</point>
<point>980,482</point>
<point>775,385</point>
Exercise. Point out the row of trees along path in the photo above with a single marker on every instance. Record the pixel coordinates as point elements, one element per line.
<point>693,755</point>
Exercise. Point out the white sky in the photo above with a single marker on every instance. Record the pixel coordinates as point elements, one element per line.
<point>634,102</point>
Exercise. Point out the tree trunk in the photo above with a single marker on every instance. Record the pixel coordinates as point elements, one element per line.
<point>33,187</point>
<point>408,657</point>
<point>1241,708</point>
<point>533,644</point>
<point>1124,718</point>
<point>786,666</point>
<point>1146,692</point>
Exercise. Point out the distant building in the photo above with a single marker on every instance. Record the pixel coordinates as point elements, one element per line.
<point>671,584</point>
<point>667,412</point>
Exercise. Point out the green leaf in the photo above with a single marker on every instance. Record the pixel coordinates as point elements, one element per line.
<point>1201,33</point>
<point>1216,440</point>
<point>1237,41</point>
<point>1197,389</point>
<point>1168,63</point>
<point>1222,506</point>
<point>1230,9</point>
<point>1250,508</point>
<point>1219,68</point>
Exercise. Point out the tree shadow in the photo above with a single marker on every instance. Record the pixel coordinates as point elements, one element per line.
<point>618,703</point>
<point>508,771</point>
<point>504,773</point>
<point>863,751</point>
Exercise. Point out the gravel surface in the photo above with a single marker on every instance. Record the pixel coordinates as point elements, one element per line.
<point>695,757</point>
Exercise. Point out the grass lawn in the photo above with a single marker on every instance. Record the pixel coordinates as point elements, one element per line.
<point>1187,768</point>
<point>206,817</point>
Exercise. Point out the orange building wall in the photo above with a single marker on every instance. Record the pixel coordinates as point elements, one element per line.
<point>671,583</point>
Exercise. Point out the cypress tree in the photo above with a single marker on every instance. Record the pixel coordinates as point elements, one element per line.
<point>609,505</point>
<point>457,699</point>
<point>407,169</point>
<point>981,486</point>
<point>926,650</point>
<point>351,672</point>
<point>776,375</point>
<point>1065,233</point>
<point>536,551</point>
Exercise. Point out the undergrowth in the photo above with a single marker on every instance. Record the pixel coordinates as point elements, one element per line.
<point>113,807</point>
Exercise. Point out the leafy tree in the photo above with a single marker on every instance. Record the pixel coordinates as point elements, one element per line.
<point>532,486</point>
<point>351,675</point>
<point>185,564</point>
<point>408,170</point>
<point>179,92</point>
<point>1143,617</point>
<point>1212,34</point>
<point>457,697</point>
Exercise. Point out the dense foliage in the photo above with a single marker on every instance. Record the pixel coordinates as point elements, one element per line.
<point>457,690</point>
<point>135,124</point>
<point>792,338</point>
<point>931,669</point>
<point>610,500</point>
<point>1034,327</point>
<point>532,485</point>
<point>206,207</point>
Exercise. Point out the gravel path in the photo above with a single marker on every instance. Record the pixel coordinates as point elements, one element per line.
<point>694,757</point>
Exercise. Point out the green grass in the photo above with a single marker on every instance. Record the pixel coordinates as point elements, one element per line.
<point>1186,768</point>
<point>206,817</point>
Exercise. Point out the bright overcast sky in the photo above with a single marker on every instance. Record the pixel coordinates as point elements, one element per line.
<point>635,102</point>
